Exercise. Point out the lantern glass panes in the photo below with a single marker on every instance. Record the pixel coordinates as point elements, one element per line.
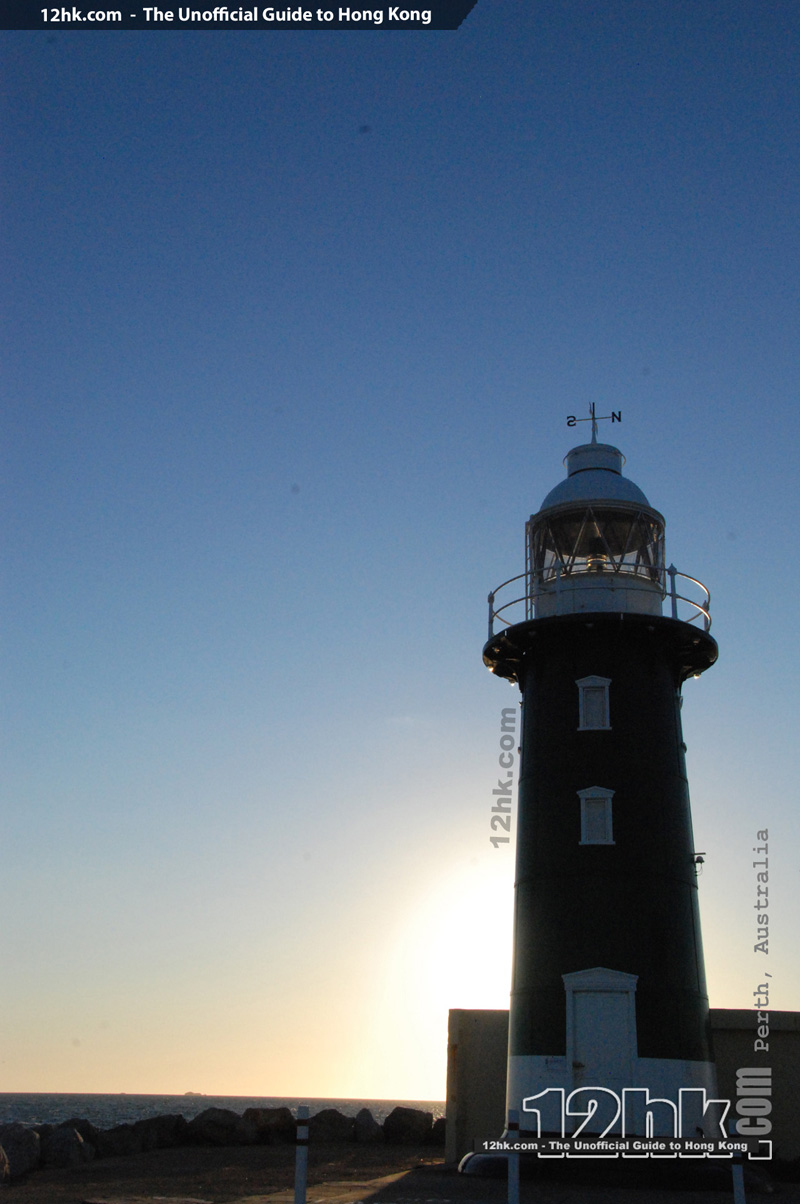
<point>596,539</point>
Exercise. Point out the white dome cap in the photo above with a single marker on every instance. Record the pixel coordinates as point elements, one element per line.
<point>594,474</point>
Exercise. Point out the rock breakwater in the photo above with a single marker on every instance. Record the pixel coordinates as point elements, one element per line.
<point>25,1148</point>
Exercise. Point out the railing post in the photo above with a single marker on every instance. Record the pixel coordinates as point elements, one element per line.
<point>558,589</point>
<point>672,572</point>
<point>301,1155</point>
<point>491,615</point>
<point>513,1157</point>
<point>737,1171</point>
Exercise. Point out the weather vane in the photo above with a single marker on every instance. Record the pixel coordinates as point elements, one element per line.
<point>615,416</point>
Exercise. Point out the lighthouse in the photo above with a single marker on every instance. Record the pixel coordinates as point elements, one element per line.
<point>608,984</point>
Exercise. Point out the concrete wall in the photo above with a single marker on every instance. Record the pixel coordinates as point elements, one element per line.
<point>476,1073</point>
<point>734,1032</point>
<point>477,1049</point>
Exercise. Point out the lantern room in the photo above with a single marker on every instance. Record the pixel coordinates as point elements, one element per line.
<point>596,544</point>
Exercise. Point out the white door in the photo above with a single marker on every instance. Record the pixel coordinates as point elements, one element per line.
<point>601,1040</point>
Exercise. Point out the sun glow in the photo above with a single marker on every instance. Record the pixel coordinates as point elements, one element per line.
<point>452,951</point>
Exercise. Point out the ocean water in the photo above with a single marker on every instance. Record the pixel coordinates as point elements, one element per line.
<point>105,1111</point>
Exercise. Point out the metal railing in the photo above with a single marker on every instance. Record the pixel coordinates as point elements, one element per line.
<point>698,611</point>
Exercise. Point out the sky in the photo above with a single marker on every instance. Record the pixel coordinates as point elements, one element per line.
<point>293,323</point>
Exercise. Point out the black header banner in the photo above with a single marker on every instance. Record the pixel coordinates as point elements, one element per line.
<point>33,14</point>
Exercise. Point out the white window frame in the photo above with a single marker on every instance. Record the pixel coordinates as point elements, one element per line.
<point>584,683</point>
<point>594,793</point>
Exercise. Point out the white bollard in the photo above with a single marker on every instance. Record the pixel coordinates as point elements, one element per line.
<point>513,1158</point>
<point>301,1155</point>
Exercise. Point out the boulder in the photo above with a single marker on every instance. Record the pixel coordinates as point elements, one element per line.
<point>331,1125</point>
<point>269,1126</point>
<point>162,1132</point>
<point>217,1126</point>
<point>122,1139</point>
<point>367,1127</point>
<point>85,1127</point>
<point>438,1132</point>
<point>5,1169</point>
<point>408,1126</point>
<point>65,1147</point>
<point>22,1148</point>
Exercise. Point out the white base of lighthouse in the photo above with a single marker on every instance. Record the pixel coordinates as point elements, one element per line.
<point>663,1098</point>
<point>601,1085</point>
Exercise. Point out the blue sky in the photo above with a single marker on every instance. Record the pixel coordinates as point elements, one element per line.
<point>280,393</point>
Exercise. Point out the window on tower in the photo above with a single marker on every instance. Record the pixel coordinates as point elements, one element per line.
<point>593,710</point>
<point>596,826</point>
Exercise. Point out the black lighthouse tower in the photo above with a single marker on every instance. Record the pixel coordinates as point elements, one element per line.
<point>608,985</point>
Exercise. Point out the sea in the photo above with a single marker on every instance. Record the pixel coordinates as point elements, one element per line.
<point>105,1111</point>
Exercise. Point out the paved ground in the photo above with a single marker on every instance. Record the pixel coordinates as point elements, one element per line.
<point>219,1175</point>
<point>344,1175</point>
